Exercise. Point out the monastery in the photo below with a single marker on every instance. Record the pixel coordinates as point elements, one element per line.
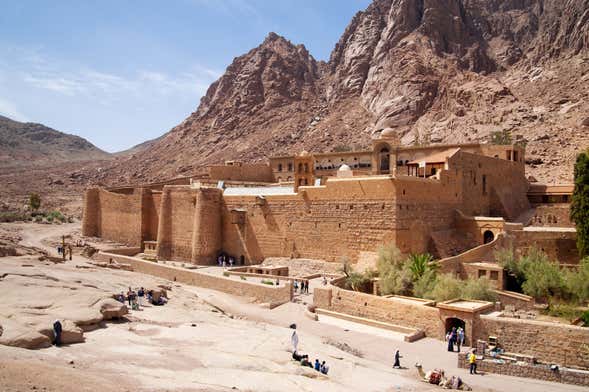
<point>441,199</point>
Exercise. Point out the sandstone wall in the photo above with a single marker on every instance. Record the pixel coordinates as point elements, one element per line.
<point>258,291</point>
<point>552,215</point>
<point>246,172</point>
<point>562,344</point>
<point>538,372</point>
<point>328,222</point>
<point>491,186</point>
<point>558,245</point>
<point>389,310</point>
<point>114,216</point>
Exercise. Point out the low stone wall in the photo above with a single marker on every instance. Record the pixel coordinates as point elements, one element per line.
<point>389,310</point>
<point>517,300</point>
<point>562,344</point>
<point>260,292</point>
<point>480,253</point>
<point>123,251</point>
<point>537,371</point>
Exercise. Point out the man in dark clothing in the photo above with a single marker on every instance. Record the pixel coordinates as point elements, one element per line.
<point>57,332</point>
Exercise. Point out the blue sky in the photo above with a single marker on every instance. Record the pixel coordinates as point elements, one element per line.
<point>119,72</point>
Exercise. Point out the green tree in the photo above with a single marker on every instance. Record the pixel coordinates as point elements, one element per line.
<point>577,282</point>
<point>35,201</point>
<point>501,137</point>
<point>580,203</point>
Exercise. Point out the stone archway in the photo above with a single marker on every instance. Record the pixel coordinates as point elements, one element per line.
<point>454,322</point>
<point>488,236</point>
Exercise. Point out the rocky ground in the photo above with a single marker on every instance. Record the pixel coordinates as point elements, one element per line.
<point>201,340</point>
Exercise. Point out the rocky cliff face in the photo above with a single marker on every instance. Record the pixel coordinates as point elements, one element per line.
<point>436,70</point>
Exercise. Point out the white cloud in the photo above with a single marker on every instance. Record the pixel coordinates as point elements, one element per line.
<point>10,110</point>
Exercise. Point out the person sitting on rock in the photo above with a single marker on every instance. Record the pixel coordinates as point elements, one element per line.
<point>121,297</point>
<point>305,362</point>
<point>317,365</point>
<point>324,368</point>
<point>57,328</point>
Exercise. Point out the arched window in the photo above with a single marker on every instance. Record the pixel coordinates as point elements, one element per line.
<point>488,236</point>
<point>300,167</point>
<point>306,168</point>
<point>280,167</point>
<point>384,160</point>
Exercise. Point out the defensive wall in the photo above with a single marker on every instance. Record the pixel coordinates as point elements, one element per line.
<point>260,292</point>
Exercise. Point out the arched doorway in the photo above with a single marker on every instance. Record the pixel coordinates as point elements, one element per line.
<point>488,236</point>
<point>453,322</point>
<point>384,158</point>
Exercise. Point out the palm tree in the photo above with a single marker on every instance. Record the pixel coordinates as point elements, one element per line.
<point>419,263</point>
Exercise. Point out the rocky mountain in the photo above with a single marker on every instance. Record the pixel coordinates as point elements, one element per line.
<point>438,71</point>
<point>25,144</point>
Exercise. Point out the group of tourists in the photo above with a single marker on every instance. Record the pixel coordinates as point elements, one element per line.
<point>303,359</point>
<point>65,251</point>
<point>135,299</point>
<point>303,286</point>
<point>224,260</point>
<point>455,337</point>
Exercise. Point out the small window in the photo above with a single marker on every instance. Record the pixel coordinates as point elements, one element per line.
<point>482,273</point>
<point>484,184</point>
<point>494,275</point>
<point>290,167</point>
<point>280,167</point>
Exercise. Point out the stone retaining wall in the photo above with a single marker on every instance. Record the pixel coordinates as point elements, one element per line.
<point>260,292</point>
<point>538,371</point>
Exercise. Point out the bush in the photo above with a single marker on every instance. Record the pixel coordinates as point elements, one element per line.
<point>34,201</point>
<point>564,310</point>
<point>577,282</point>
<point>55,216</point>
<point>395,275</point>
<point>585,318</point>
<point>425,284</point>
<point>357,281</point>
<point>242,277</point>
<point>268,282</point>
<point>14,217</point>
<point>225,273</point>
<point>501,137</point>
<point>446,287</point>
<point>543,278</point>
<point>478,289</point>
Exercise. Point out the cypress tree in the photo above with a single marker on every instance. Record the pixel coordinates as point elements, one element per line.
<point>580,203</point>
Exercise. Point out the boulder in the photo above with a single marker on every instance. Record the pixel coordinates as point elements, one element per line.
<point>112,309</point>
<point>19,335</point>
<point>71,333</point>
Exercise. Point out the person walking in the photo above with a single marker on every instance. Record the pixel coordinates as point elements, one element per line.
<point>57,328</point>
<point>472,360</point>
<point>294,338</point>
<point>397,364</point>
<point>141,294</point>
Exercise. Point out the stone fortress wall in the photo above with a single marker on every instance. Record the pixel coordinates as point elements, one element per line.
<point>337,220</point>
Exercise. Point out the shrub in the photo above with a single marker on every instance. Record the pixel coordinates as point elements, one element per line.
<point>13,217</point>
<point>34,201</point>
<point>268,282</point>
<point>225,273</point>
<point>543,278</point>
<point>585,318</point>
<point>501,137</point>
<point>564,310</point>
<point>446,287</point>
<point>56,216</point>
<point>425,284</point>
<point>478,289</point>
<point>577,282</point>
